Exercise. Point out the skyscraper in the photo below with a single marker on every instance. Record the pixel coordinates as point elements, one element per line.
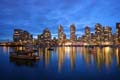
<point>60,32</point>
<point>26,36</point>
<point>17,36</point>
<point>87,30</point>
<point>72,32</point>
<point>98,32</point>
<point>118,32</point>
<point>107,34</point>
<point>87,33</point>
<point>61,35</point>
<point>46,35</point>
<point>40,40</point>
<point>44,39</point>
<point>21,35</point>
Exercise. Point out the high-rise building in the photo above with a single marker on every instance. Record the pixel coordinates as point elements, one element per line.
<point>26,36</point>
<point>93,39</point>
<point>17,36</point>
<point>64,36</point>
<point>107,35</point>
<point>40,37</point>
<point>98,32</point>
<point>21,37</point>
<point>72,32</point>
<point>87,33</point>
<point>87,30</point>
<point>84,39</point>
<point>47,37</point>
<point>54,41</point>
<point>118,32</point>
<point>44,39</point>
<point>40,40</point>
<point>60,33</point>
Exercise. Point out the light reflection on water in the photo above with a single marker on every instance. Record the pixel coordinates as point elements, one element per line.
<point>67,60</point>
<point>99,56</point>
<point>96,55</point>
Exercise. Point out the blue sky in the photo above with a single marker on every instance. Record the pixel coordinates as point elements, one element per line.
<point>35,15</point>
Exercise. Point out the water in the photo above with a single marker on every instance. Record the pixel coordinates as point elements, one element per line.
<point>64,63</point>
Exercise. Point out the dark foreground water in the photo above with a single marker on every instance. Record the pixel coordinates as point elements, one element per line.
<point>64,63</point>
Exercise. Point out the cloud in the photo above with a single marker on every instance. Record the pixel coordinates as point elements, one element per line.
<point>35,15</point>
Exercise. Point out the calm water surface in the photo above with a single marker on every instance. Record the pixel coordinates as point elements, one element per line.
<point>64,63</point>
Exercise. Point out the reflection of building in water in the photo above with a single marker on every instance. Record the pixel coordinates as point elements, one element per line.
<point>84,51</point>
<point>86,55</point>
<point>6,49</point>
<point>107,56</point>
<point>28,63</point>
<point>46,56</point>
<point>61,57</point>
<point>118,56</point>
<point>68,53</point>
<point>40,52</point>
<point>79,50</point>
<point>72,57</point>
<point>103,56</point>
<point>98,57</point>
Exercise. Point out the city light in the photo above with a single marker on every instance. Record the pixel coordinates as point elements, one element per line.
<point>102,36</point>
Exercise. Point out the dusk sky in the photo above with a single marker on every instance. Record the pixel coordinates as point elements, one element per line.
<point>36,15</point>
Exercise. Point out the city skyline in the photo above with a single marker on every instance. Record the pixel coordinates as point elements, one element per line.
<point>35,15</point>
<point>59,39</point>
<point>99,30</point>
<point>72,29</point>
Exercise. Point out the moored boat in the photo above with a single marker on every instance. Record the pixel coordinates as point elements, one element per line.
<point>25,56</point>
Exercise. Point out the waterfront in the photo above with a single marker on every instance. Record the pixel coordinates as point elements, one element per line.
<point>63,63</point>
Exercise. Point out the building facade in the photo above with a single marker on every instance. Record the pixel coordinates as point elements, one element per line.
<point>118,33</point>
<point>61,35</point>
<point>72,32</point>
<point>107,35</point>
<point>87,34</point>
<point>45,38</point>
<point>99,33</point>
<point>17,36</point>
<point>21,36</point>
